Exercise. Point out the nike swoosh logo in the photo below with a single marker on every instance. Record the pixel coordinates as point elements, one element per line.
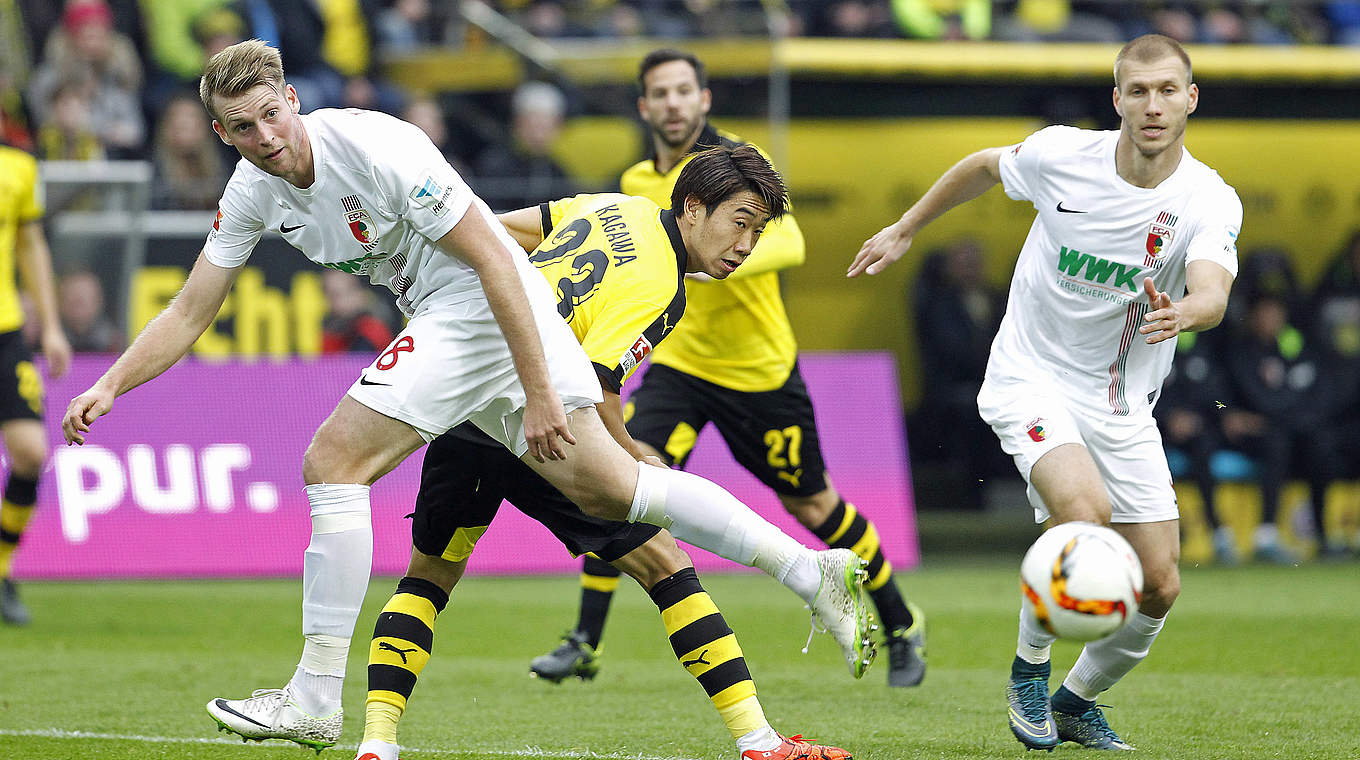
<point>365,381</point>
<point>1062,210</point>
<point>285,229</point>
<point>222,705</point>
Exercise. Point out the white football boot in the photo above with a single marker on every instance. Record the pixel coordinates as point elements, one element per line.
<point>272,714</point>
<point>841,610</point>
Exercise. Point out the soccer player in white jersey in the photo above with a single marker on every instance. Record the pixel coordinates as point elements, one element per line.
<point>369,194</point>
<point>1134,243</point>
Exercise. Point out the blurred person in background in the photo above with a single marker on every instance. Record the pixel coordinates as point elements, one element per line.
<point>1194,400</point>
<point>66,132</point>
<point>86,52</point>
<point>190,172</point>
<point>24,257</point>
<point>522,172</point>
<point>1281,415</point>
<point>733,362</point>
<point>80,296</point>
<point>944,19</point>
<point>424,112</point>
<point>957,313</point>
<point>354,321</point>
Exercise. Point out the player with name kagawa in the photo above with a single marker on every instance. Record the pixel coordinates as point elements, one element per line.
<point>1135,242</point>
<point>617,265</point>
<point>733,363</point>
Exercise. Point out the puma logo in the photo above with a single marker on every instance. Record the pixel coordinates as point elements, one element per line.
<point>666,325</point>
<point>383,645</point>
<point>793,477</point>
<point>697,660</point>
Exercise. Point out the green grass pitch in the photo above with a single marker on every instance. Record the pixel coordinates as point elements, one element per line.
<point>1255,662</point>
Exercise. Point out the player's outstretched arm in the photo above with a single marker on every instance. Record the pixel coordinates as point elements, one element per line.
<point>963,182</point>
<point>161,343</point>
<point>473,241</point>
<point>525,225</point>
<point>1207,286</point>
<point>34,261</point>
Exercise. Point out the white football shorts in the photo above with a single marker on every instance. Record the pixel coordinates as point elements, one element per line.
<point>1031,418</point>
<point>452,364</point>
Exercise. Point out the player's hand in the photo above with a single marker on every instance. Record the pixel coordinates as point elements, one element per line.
<point>83,411</point>
<point>654,461</point>
<point>1164,321</point>
<point>880,250</point>
<point>544,423</point>
<point>57,351</point>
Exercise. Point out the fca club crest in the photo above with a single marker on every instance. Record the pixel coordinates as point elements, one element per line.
<point>1160,233</point>
<point>360,225</point>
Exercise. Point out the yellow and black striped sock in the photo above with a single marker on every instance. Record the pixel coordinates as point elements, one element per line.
<point>708,649</point>
<point>846,528</point>
<point>402,639</point>
<point>16,510</point>
<point>599,580</point>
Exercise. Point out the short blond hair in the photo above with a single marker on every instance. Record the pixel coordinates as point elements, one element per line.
<point>1152,47</point>
<point>238,68</point>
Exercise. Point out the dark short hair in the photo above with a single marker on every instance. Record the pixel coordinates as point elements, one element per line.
<point>1149,48</point>
<point>666,55</point>
<point>719,173</point>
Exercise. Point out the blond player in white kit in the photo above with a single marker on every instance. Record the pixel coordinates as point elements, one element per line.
<point>369,194</point>
<point>1134,243</point>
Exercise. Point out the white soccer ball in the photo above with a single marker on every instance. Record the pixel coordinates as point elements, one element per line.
<point>1081,581</point>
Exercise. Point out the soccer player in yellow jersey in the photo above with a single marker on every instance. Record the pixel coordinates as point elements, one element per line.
<point>23,250</point>
<point>616,264</point>
<point>732,362</point>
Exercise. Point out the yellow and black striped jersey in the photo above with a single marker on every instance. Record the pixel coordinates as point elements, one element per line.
<point>736,333</point>
<point>616,264</point>
<point>20,203</point>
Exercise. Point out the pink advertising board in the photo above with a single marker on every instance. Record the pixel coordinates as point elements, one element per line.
<point>198,474</point>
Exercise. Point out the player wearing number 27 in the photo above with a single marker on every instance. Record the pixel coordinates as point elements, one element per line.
<point>368,194</point>
<point>1135,242</point>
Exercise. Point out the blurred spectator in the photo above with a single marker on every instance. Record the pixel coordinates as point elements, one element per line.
<point>426,114</point>
<point>66,133</point>
<point>523,172</point>
<point>1177,23</point>
<point>957,313</point>
<point>86,52</point>
<point>190,173</point>
<point>1188,411</point>
<point>404,26</point>
<point>175,45</point>
<point>13,131</point>
<point>940,19</point>
<point>1056,20</point>
<point>354,320</point>
<point>80,300</point>
<point>218,29</point>
<point>1281,415</point>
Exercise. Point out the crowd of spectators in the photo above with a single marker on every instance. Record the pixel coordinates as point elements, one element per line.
<point>1263,22</point>
<point>1270,396</point>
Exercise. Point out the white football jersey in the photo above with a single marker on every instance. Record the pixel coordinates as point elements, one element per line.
<point>383,195</point>
<point>1077,299</point>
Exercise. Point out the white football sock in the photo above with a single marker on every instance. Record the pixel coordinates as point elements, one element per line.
<point>704,514</point>
<point>760,740</point>
<point>1034,643</point>
<point>335,578</point>
<point>1102,663</point>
